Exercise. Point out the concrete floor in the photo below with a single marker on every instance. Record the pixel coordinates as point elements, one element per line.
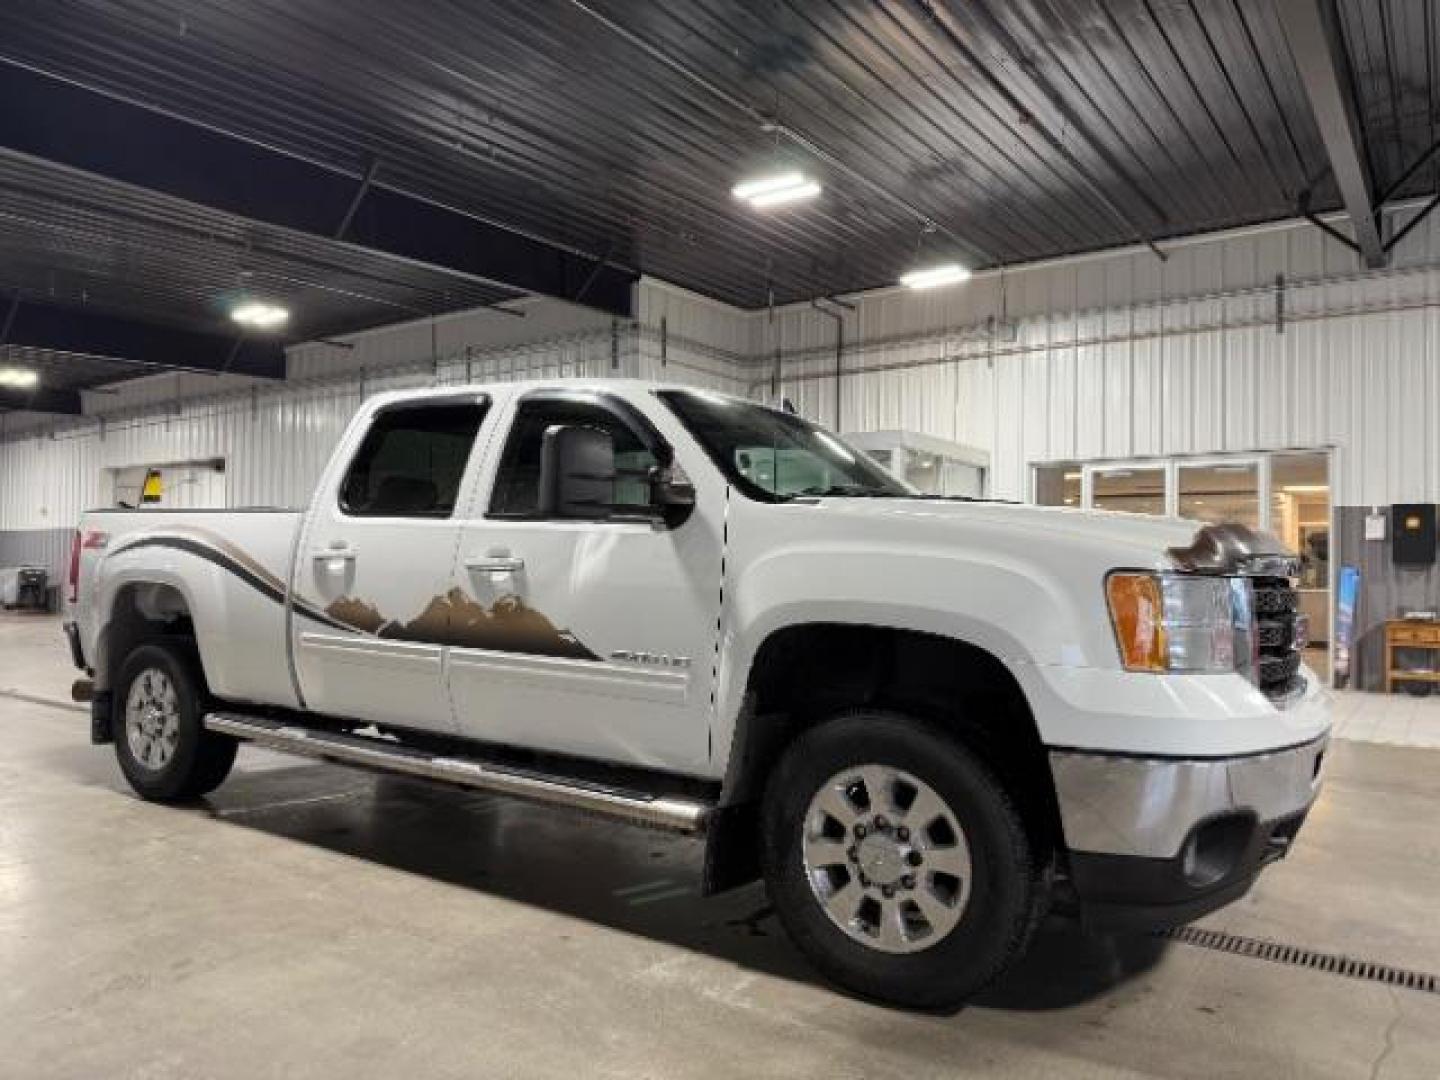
<point>310,921</point>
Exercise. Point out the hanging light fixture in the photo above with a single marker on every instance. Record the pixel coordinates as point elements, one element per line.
<point>257,315</point>
<point>13,378</point>
<point>778,189</point>
<point>930,277</point>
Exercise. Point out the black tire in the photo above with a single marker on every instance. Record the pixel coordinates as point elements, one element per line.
<point>200,760</point>
<point>1005,892</point>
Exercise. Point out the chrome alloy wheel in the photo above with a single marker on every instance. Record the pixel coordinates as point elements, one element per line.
<point>886,858</point>
<point>152,719</point>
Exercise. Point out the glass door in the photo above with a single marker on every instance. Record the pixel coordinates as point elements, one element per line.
<point>1300,516</point>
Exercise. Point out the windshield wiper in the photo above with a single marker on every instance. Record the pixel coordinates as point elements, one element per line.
<point>847,491</point>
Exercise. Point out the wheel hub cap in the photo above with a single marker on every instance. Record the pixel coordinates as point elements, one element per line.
<point>152,719</point>
<point>882,859</point>
<point>886,858</point>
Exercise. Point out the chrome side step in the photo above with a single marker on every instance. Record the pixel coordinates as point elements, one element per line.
<point>670,812</point>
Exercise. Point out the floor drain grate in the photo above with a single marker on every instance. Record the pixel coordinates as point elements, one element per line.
<point>1296,956</point>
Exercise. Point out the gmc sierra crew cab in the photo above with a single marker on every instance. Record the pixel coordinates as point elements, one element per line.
<point>924,722</point>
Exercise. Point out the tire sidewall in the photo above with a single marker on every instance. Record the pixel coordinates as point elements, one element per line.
<point>171,781</point>
<point>999,911</point>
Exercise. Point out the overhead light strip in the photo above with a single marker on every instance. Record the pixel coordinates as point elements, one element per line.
<point>930,277</point>
<point>18,378</point>
<point>258,315</point>
<point>765,192</point>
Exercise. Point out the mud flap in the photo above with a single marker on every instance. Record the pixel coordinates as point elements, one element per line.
<point>101,730</point>
<point>732,848</point>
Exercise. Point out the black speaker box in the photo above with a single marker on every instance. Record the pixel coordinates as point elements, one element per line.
<point>1413,534</point>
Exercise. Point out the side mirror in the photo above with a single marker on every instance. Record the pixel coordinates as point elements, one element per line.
<point>672,494</point>
<point>577,472</point>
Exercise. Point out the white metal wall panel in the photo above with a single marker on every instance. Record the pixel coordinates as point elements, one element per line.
<point>277,436</point>
<point>1105,356</point>
<point>1121,355</point>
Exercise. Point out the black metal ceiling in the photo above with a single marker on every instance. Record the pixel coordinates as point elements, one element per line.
<point>1021,129</point>
<point>78,240</point>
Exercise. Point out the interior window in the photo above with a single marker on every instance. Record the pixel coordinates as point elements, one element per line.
<point>411,461</point>
<point>517,485</point>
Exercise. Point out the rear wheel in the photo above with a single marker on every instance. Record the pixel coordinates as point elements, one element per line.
<point>897,861</point>
<point>162,745</point>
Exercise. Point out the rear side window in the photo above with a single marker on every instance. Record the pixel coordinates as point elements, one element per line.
<point>517,484</point>
<point>411,461</point>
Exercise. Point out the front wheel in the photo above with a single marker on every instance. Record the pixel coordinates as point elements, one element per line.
<point>897,861</point>
<point>162,745</point>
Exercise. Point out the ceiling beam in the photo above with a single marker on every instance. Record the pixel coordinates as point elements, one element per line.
<point>151,347</point>
<point>72,125</point>
<point>1320,58</point>
<point>40,400</point>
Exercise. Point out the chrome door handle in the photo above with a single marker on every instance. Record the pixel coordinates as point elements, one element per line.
<point>346,554</point>
<point>496,564</point>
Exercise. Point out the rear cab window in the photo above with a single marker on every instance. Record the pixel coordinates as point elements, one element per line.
<point>412,460</point>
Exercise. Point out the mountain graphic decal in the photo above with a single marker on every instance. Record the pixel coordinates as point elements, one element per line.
<point>509,625</point>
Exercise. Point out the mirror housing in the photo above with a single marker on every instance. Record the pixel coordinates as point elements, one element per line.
<point>577,473</point>
<point>671,493</point>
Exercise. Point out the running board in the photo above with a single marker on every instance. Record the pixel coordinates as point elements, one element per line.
<point>669,812</point>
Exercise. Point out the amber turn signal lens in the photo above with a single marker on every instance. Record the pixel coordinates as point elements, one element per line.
<point>1136,609</point>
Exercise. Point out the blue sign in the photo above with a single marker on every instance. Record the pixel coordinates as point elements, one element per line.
<point>1346,601</point>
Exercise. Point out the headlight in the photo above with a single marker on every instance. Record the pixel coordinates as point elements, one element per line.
<point>1181,622</point>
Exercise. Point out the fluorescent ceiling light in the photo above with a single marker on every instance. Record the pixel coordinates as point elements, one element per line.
<point>1305,489</point>
<point>260,316</point>
<point>931,276</point>
<point>777,190</point>
<point>19,378</point>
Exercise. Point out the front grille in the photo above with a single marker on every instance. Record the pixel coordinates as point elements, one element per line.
<point>1276,606</point>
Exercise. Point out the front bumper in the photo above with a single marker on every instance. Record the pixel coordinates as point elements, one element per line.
<point>1158,841</point>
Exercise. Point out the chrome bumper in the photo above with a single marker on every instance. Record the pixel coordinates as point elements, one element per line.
<point>1147,807</point>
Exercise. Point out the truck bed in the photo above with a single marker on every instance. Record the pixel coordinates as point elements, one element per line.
<point>231,567</point>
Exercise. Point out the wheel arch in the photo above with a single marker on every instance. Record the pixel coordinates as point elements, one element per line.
<point>803,673</point>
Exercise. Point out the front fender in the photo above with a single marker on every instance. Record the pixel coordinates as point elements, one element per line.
<point>1022,614</point>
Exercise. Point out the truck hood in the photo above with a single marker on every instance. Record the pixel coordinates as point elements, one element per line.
<point>1128,539</point>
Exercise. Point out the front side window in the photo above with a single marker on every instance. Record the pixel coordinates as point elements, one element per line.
<point>517,484</point>
<point>412,460</point>
<point>775,456</point>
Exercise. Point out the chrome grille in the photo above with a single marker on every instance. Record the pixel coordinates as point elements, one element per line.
<point>1276,620</point>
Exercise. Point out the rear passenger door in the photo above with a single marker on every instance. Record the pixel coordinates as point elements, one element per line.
<point>587,637</point>
<point>372,614</point>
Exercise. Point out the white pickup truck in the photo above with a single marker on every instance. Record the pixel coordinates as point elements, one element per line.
<point>925,722</point>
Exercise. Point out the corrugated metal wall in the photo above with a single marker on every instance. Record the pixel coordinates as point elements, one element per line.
<point>1106,356</point>
<point>1122,355</point>
<point>276,437</point>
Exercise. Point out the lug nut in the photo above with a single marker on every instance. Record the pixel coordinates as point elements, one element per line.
<point>888,890</point>
<point>880,821</point>
<point>853,855</point>
<point>908,881</point>
<point>860,830</point>
<point>914,858</point>
<point>902,833</point>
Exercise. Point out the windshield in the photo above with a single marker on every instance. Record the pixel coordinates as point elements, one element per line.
<point>775,456</point>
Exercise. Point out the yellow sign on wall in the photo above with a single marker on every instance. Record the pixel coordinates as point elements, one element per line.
<point>154,489</point>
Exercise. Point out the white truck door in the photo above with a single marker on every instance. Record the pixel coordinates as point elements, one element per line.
<point>372,614</point>
<point>588,637</point>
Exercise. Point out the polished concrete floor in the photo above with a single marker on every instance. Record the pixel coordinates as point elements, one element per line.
<point>310,921</point>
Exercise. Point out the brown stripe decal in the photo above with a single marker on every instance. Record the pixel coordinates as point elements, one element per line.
<point>509,625</point>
